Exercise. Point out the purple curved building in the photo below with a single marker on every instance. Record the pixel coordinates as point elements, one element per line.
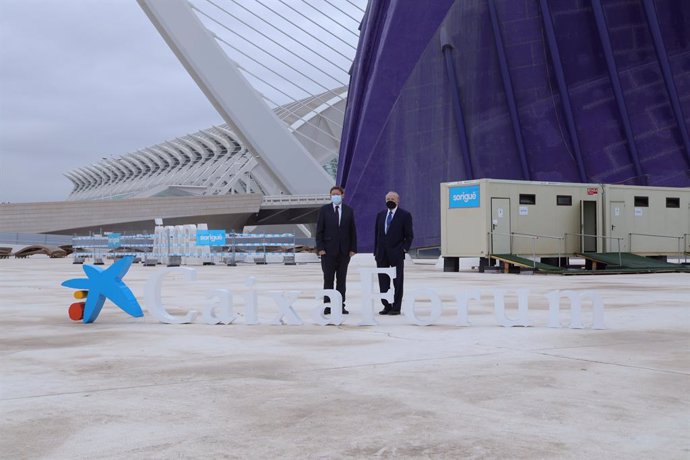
<point>546,90</point>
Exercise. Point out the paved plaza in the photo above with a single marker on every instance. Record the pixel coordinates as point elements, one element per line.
<point>126,387</point>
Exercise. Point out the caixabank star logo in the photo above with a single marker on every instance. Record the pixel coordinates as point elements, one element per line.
<point>101,284</point>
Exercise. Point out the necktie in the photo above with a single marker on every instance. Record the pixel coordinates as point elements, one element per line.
<point>389,219</point>
<point>337,213</point>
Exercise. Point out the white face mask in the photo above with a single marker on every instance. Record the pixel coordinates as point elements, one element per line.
<point>336,199</point>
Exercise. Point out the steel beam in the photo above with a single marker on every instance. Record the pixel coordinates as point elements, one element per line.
<point>508,88</point>
<point>292,168</point>
<point>662,56</point>
<point>447,50</point>
<point>562,87</point>
<point>606,46</point>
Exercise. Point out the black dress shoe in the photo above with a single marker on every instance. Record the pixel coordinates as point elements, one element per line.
<point>327,311</point>
<point>385,311</point>
<point>394,312</point>
<point>345,312</point>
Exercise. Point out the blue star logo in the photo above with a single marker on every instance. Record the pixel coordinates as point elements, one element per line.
<point>104,284</point>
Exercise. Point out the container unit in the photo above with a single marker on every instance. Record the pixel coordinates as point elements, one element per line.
<point>541,219</point>
<point>485,217</point>
<point>647,220</point>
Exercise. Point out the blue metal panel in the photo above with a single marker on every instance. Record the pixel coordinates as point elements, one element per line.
<point>401,128</point>
<point>562,87</point>
<point>508,86</point>
<point>653,22</point>
<point>457,110</point>
<point>616,86</point>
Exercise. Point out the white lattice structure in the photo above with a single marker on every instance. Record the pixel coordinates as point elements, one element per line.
<point>276,71</point>
<point>212,161</point>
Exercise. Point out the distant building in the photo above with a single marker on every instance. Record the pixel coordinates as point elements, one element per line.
<point>212,161</point>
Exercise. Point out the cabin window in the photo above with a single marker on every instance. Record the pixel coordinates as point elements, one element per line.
<point>564,200</point>
<point>528,198</point>
<point>672,202</point>
<point>641,201</point>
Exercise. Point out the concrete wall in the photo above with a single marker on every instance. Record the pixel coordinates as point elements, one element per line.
<point>68,217</point>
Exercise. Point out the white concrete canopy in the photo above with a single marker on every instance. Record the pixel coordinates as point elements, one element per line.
<point>284,158</point>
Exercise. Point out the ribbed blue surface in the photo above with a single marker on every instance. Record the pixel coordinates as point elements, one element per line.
<point>401,128</point>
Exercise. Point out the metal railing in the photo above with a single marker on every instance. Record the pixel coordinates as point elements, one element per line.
<point>257,246</point>
<point>562,247</point>
<point>680,239</point>
<point>270,201</point>
<point>682,243</point>
<point>286,241</point>
<point>534,237</point>
<point>100,246</point>
<point>617,238</point>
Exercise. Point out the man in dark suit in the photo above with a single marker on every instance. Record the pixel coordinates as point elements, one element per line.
<point>336,242</point>
<point>392,239</point>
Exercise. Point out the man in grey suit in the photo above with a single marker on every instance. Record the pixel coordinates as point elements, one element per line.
<point>336,242</point>
<point>392,240</point>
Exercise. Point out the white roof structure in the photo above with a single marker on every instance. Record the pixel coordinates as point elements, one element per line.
<point>212,161</point>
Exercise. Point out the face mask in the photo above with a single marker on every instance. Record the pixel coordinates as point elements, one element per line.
<point>336,199</point>
<point>391,204</point>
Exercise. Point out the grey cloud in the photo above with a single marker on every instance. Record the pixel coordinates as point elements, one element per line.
<point>80,80</point>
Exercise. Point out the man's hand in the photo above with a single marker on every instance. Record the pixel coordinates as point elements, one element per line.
<point>352,253</point>
<point>322,252</point>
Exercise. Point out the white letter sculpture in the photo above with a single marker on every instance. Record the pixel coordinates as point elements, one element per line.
<point>152,296</point>
<point>287,314</point>
<point>462,299</point>
<point>336,305</point>
<point>500,308</point>
<point>409,304</point>
<point>250,314</point>
<point>221,313</point>
<point>576,299</point>
<point>369,297</point>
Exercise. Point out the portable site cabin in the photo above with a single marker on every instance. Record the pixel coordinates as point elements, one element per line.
<point>485,217</point>
<point>647,220</point>
<point>491,216</point>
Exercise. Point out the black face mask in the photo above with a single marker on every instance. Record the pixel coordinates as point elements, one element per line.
<point>391,204</point>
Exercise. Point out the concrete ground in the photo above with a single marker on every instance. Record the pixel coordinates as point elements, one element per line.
<point>124,387</point>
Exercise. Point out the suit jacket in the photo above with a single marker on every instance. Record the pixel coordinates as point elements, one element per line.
<point>398,240</point>
<point>333,238</point>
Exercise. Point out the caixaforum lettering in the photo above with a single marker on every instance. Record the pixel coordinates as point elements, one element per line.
<point>219,307</point>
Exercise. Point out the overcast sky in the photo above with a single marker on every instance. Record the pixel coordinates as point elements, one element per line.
<point>80,80</point>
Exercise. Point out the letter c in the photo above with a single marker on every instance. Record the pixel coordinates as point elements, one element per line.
<point>152,296</point>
